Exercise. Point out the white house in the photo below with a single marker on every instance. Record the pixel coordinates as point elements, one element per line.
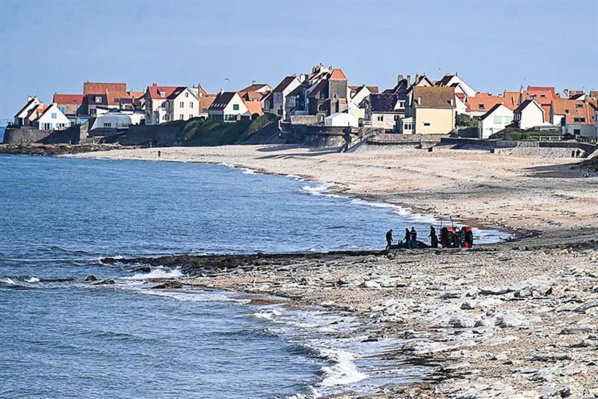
<point>228,106</point>
<point>22,117</point>
<point>529,114</point>
<point>276,103</point>
<point>341,120</point>
<point>118,119</point>
<point>453,80</point>
<point>170,103</point>
<point>52,119</point>
<point>356,97</point>
<point>573,117</point>
<point>493,121</point>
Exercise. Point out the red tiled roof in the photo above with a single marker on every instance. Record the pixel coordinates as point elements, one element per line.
<point>338,74</point>
<point>101,88</point>
<point>484,102</point>
<point>255,107</point>
<point>573,109</point>
<point>68,99</point>
<point>168,91</point>
<point>113,96</point>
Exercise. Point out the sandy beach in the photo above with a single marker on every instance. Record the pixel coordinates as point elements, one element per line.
<point>517,319</point>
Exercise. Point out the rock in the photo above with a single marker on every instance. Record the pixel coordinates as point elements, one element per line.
<point>106,282</point>
<point>587,306</point>
<point>169,285</point>
<point>370,259</point>
<point>90,278</point>
<point>509,320</point>
<point>523,293</point>
<point>468,305</point>
<point>494,291</point>
<point>144,269</point>
<point>462,322</point>
<point>370,284</point>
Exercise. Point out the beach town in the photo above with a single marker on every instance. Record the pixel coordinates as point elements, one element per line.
<point>516,318</point>
<point>319,99</point>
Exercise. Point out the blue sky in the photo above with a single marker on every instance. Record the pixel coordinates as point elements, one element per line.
<point>54,46</point>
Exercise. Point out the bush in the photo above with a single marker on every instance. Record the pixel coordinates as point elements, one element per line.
<point>512,134</point>
<point>463,120</point>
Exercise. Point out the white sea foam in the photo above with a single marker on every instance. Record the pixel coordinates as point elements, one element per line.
<point>269,314</point>
<point>32,280</point>
<point>7,280</point>
<point>343,370</point>
<point>318,190</point>
<point>248,171</point>
<point>159,272</point>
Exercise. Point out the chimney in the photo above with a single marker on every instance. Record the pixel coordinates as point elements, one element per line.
<point>408,80</point>
<point>29,98</point>
<point>399,78</point>
<point>154,84</point>
<point>452,102</point>
<point>199,90</point>
<point>416,78</point>
<point>419,101</point>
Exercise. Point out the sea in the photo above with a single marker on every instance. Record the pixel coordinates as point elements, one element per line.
<point>63,337</point>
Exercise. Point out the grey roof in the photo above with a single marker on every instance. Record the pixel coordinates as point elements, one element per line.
<point>222,100</point>
<point>284,84</point>
<point>384,102</point>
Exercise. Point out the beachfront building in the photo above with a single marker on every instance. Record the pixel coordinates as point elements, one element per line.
<point>481,103</point>
<point>52,119</point>
<point>72,106</point>
<point>170,103</point>
<point>529,114</point>
<point>341,119</point>
<point>357,99</point>
<point>275,102</point>
<point>573,117</point>
<point>495,120</point>
<point>228,106</point>
<point>385,110</point>
<point>433,110</point>
<point>22,118</point>
<point>462,90</point>
<point>118,119</point>
<point>543,97</point>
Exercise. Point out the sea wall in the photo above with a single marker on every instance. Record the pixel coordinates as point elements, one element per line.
<point>553,149</point>
<point>25,135</point>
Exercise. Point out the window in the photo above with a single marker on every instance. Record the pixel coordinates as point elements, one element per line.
<point>107,124</point>
<point>235,107</point>
<point>190,116</point>
<point>53,115</point>
<point>191,104</point>
<point>380,118</point>
<point>401,104</point>
<point>63,109</point>
<point>186,94</point>
<point>98,99</point>
<point>507,120</point>
<point>481,106</point>
<point>579,120</point>
<point>397,117</point>
<point>231,117</point>
<point>116,100</point>
<point>182,104</point>
<point>497,119</point>
<point>578,105</point>
<point>204,110</point>
<point>542,95</point>
<point>426,123</point>
<point>408,126</point>
<point>181,116</point>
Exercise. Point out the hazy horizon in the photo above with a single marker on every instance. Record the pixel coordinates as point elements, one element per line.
<point>50,47</point>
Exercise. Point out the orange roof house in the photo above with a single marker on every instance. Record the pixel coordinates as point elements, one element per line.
<point>543,96</point>
<point>338,74</point>
<point>565,111</point>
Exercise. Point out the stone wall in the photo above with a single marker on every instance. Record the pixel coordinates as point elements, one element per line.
<point>24,135</point>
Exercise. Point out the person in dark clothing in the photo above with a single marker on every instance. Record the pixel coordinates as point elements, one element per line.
<point>407,239</point>
<point>433,237</point>
<point>413,238</point>
<point>468,236</point>
<point>388,239</point>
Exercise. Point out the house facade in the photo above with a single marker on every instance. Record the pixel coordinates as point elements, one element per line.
<point>433,110</point>
<point>52,119</point>
<point>495,120</point>
<point>228,107</point>
<point>574,117</point>
<point>21,118</point>
<point>72,106</point>
<point>453,80</point>
<point>169,103</point>
<point>528,114</point>
<point>275,103</point>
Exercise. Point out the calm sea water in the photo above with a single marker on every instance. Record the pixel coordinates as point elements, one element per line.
<point>58,216</point>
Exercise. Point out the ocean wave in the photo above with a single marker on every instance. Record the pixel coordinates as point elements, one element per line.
<point>159,272</point>
<point>7,281</point>
<point>343,371</point>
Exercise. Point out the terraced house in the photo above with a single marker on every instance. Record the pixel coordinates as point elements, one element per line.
<point>169,103</point>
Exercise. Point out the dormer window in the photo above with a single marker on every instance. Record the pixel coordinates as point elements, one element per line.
<point>542,95</point>
<point>98,99</point>
<point>482,106</point>
<point>162,93</point>
<point>578,105</point>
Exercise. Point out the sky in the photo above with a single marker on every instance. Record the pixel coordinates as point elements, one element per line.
<point>53,46</point>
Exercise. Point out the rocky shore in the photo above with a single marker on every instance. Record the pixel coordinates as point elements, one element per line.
<point>518,319</point>
<point>56,149</point>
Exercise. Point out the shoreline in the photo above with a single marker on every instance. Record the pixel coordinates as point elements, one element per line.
<point>517,318</point>
<point>468,335</point>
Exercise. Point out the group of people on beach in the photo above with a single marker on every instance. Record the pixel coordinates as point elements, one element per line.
<point>450,237</point>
